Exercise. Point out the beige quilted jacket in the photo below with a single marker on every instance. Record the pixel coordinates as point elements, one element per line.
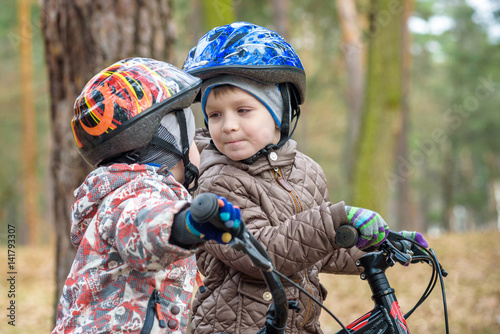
<point>285,204</point>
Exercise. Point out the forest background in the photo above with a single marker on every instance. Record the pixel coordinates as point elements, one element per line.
<point>445,178</point>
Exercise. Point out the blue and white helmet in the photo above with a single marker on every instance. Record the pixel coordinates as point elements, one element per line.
<point>249,50</point>
<point>255,52</point>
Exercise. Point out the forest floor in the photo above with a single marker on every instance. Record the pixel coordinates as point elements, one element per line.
<point>472,289</point>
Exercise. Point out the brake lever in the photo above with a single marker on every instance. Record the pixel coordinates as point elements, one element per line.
<point>402,254</point>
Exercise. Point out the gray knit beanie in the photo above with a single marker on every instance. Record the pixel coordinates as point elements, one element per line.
<point>268,94</point>
<point>169,131</point>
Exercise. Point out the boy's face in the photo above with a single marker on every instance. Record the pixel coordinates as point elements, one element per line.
<point>239,124</point>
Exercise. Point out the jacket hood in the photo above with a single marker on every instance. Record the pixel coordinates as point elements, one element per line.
<point>210,156</point>
<point>98,184</point>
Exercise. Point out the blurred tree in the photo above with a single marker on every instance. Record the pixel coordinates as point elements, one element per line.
<point>218,12</point>
<point>354,50</point>
<point>257,11</point>
<point>430,89</point>
<point>473,152</point>
<point>81,38</point>
<point>29,123</point>
<point>195,22</point>
<point>381,123</point>
<point>455,156</point>
<point>280,17</point>
<point>404,217</point>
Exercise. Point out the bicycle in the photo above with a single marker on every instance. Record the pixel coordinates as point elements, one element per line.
<point>385,317</point>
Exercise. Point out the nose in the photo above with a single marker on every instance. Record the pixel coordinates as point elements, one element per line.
<point>230,123</point>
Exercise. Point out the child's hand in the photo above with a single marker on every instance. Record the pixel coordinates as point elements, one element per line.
<point>415,236</point>
<point>230,219</point>
<point>371,226</point>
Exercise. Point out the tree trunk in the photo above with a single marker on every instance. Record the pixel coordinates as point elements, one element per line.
<point>280,18</point>
<point>381,122</point>
<point>29,124</point>
<point>405,220</point>
<point>354,52</point>
<point>81,38</point>
<point>196,29</point>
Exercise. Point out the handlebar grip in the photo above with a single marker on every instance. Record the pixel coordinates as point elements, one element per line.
<point>205,208</point>
<point>346,236</point>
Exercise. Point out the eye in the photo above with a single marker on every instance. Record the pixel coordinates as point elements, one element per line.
<point>213,114</point>
<point>243,110</point>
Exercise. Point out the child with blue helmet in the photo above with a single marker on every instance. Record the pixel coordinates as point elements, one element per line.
<point>253,84</point>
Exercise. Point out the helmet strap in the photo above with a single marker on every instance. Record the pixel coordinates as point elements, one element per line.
<point>191,172</point>
<point>265,151</point>
<point>130,157</point>
<point>285,119</point>
<point>291,112</point>
<point>294,108</point>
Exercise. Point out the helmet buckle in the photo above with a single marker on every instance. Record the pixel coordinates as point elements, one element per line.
<point>133,156</point>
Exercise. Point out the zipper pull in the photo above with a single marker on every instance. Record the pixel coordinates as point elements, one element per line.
<point>199,282</point>
<point>281,180</point>
<point>158,310</point>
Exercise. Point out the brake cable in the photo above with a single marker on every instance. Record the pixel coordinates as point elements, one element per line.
<point>442,290</point>
<point>312,298</point>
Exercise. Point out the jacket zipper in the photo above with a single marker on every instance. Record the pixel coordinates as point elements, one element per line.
<point>153,308</point>
<point>159,315</point>
<point>285,185</point>
<point>309,305</point>
<point>298,208</point>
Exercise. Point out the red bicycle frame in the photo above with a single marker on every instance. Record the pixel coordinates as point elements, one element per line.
<point>386,316</point>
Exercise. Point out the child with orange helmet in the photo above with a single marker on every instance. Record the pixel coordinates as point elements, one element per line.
<point>134,270</point>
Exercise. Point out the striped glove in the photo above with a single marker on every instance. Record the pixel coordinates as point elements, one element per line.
<point>415,236</point>
<point>371,226</point>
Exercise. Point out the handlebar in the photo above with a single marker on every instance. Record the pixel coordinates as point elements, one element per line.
<point>403,250</point>
<point>346,236</point>
<point>205,208</point>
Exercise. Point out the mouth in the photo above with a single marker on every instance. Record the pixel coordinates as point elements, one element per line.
<point>229,142</point>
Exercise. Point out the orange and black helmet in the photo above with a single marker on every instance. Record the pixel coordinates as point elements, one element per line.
<point>121,107</point>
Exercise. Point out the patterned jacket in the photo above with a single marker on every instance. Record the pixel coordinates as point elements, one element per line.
<point>127,277</point>
<point>284,202</point>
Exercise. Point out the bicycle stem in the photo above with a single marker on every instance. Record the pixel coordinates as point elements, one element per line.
<point>375,265</point>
